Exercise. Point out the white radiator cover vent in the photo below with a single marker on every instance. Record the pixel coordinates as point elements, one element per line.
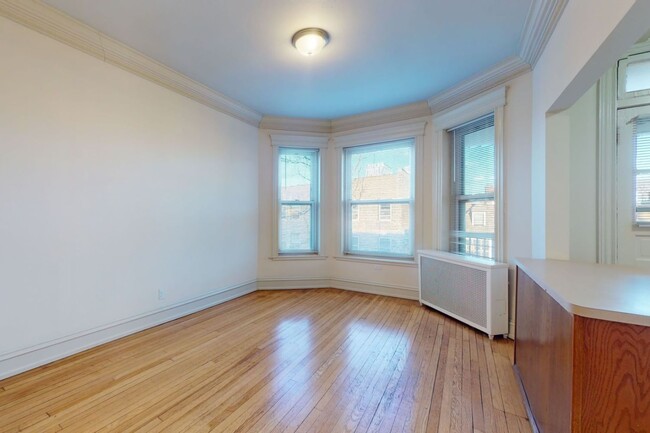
<point>472,290</point>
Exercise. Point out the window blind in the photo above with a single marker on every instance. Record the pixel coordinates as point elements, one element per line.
<point>641,134</point>
<point>472,214</point>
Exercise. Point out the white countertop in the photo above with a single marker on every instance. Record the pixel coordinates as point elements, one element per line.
<point>607,292</point>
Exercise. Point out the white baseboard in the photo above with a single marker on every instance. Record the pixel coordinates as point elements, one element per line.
<point>338,283</point>
<point>292,283</point>
<point>26,359</point>
<point>376,289</point>
<point>511,330</point>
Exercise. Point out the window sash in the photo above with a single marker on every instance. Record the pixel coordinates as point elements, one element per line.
<point>313,203</point>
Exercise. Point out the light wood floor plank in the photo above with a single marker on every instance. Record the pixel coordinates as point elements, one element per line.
<point>299,361</point>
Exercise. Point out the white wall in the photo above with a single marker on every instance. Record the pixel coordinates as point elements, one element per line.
<point>588,39</point>
<point>389,278</point>
<point>583,177</point>
<point>112,188</point>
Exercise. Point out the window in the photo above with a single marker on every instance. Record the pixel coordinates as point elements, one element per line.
<point>641,139</point>
<point>479,218</point>
<point>378,192</point>
<point>384,212</point>
<point>472,213</point>
<point>298,175</point>
<point>634,76</point>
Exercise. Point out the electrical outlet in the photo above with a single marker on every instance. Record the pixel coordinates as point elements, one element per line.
<point>161,294</point>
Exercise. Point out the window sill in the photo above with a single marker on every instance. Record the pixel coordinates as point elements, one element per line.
<point>409,263</point>
<point>292,257</point>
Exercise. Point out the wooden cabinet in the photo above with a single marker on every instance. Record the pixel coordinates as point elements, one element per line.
<point>580,374</point>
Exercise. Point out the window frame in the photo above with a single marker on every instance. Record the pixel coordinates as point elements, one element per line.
<point>313,204</point>
<point>312,142</point>
<point>411,129</point>
<point>490,102</point>
<point>349,203</point>
<point>457,199</point>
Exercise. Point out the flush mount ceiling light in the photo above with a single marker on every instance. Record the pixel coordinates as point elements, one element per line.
<point>310,41</point>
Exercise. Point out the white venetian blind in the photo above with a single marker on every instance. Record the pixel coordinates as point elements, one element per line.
<point>642,169</point>
<point>472,213</point>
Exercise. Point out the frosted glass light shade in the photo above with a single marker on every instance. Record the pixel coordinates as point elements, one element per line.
<point>310,41</point>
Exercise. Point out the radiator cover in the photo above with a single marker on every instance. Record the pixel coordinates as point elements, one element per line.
<point>472,290</point>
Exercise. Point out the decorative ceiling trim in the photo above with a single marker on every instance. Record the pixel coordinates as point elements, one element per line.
<point>381,117</point>
<point>296,124</point>
<point>542,18</point>
<point>53,23</point>
<point>497,75</point>
<point>416,110</point>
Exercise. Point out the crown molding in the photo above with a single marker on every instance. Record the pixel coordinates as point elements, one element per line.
<point>381,117</point>
<point>51,22</point>
<point>542,18</point>
<point>497,75</point>
<point>317,126</point>
<point>357,122</point>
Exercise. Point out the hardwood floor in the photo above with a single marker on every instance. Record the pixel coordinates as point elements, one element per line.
<point>287,361</point>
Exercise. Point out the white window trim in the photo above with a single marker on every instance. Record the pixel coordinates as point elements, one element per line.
<point>487,103</point>
<point>297,141</point>
<point>411,129</point>
<point>607,184</point>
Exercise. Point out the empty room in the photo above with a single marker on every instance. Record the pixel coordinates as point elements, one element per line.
<point>325,216</point>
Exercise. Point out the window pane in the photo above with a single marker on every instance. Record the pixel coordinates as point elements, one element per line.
<point>477,162</point>
<point>295,228</point>
<point>642,151</point>
<point>475,233</point>
<point>642,144</point>
<point>643,190</point>
<point>637,76</point>
<point>295,171</point>
<point>381,172</point>
<point>643,217</point>
<point>372,235</point>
